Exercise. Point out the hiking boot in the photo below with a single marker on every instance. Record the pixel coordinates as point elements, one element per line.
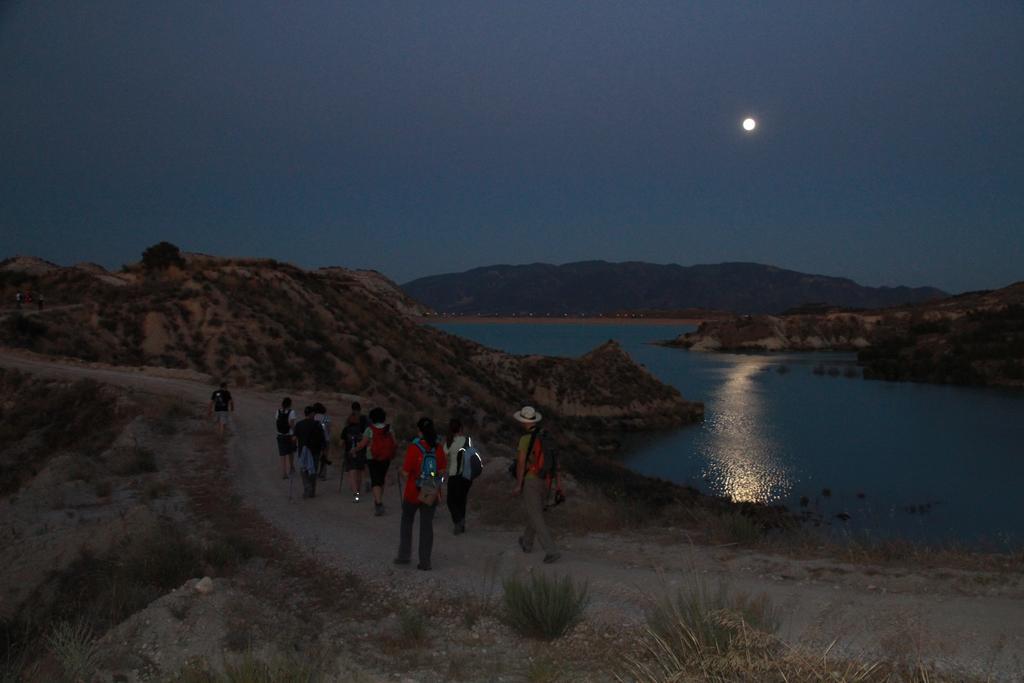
<point>401,560</point>
<point>423,567</point>
<point>522,544</point>
<point>552,557</point>
<point>355,498</point>
<point>460,528</point>
<point>378,510</point>
<point>285,476</point>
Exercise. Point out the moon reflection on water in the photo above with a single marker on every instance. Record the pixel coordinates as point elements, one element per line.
<point>743,459</point>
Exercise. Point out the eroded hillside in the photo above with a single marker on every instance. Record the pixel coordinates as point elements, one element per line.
<point>259,322</point>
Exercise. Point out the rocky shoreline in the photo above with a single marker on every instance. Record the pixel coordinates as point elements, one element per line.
<point>973,339</point>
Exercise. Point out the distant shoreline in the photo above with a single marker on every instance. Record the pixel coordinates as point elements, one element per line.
<point>545,320</point>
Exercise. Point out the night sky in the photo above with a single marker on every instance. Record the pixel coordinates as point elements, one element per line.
<point>419,138</point>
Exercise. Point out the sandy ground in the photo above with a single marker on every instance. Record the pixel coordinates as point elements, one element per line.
<point>965,620</point>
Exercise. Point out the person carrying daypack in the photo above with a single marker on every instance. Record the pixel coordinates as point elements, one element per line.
<point>380,446</point>
<point>320,415</point>
<point>355,457</point>
<point>464,465</point>
<point>423,470</point>
<point>309,436</point>
<point>534,473</point>
<point>221,406</point>
<point>284,422</point>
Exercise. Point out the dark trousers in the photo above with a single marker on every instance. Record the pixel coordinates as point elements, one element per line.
<point>458,492</point>
<point>426,531</point>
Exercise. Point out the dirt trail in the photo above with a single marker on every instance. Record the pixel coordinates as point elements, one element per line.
<point>961,619</point>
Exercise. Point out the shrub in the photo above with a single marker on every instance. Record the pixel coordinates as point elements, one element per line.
<point>413,626</point>
<point>162,256</point>
<point>138,460</point>
<point>699,621</point>
<point>544,607</point>
<point>22,331</point>
<point>104,489</point>
<point>250,669</point>
<point>735,527</point>
<point>75,649</point>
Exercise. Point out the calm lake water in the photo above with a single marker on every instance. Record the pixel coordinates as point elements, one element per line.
<point>932,463</point>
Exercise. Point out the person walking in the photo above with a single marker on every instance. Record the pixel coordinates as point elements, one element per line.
<point>379,444</point>
<point>285,424</point>
<point>221,405</point>
<point>320,414</point>
<point>309,437</point>
<point>458,486</point>
<point>423,471</point>
<point>355,457</point>
<point>18,298</point>
<point>531,485</point>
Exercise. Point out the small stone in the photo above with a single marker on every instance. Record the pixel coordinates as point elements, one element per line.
<point>204,585</point>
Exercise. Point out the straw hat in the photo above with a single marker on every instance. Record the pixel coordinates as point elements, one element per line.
<point>527,415</point>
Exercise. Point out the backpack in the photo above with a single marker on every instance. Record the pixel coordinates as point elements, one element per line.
<point>220,400</point>
<point>470,465</point>
<point>429,481</point>
<point>548,462</point>
<point>382,445</point>
<point>352,433</point>
<point>283,426</point>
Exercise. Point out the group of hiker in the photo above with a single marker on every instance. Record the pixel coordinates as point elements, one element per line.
<point>27,298</point>
<point>435,468</point>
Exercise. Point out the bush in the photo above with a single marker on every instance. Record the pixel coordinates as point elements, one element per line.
<point>413,626</point>
<point>544,607</point>
<point>250,669</point>
<point>162,256</point>
<point>75,649</point>
<point>23,332</point>
<point>700,635</point>
<point>698,620</point>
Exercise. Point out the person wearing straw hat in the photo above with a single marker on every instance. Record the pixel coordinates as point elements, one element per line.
<point>530,484</point>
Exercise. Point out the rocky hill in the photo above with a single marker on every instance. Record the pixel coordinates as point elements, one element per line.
<point>272,324</point>
<point>975,338</point>
<point>599,287</point>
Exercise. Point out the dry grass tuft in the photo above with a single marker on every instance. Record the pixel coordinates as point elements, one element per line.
<point>715,636</point>
<point>544,607</point>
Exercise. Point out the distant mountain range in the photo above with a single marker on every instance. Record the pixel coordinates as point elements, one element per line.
<point>597,287</point>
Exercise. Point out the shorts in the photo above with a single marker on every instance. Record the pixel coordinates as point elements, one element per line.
<point>355,461</point>
<point>222,417</point>
<point>378,471</point>
<point>285,445</point>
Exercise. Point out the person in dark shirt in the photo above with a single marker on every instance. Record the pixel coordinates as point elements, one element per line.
<point>309,437</point>
<point>355,457</point>
<point>221,405</point>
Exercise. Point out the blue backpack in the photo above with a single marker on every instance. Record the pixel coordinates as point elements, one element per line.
<point>428,469</point>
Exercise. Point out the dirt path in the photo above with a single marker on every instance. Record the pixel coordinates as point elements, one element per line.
<point>961,619</point>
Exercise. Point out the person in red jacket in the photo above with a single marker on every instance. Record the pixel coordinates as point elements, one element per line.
<point>423,471</point>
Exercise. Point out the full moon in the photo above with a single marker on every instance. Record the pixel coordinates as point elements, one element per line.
<point>749,124</point>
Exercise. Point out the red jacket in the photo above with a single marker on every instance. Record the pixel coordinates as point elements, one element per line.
<point>412,465</point>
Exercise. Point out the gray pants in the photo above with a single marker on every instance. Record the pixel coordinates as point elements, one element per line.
<point>533,505</point>
<point>426,531</point>
<point>308,485</point>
